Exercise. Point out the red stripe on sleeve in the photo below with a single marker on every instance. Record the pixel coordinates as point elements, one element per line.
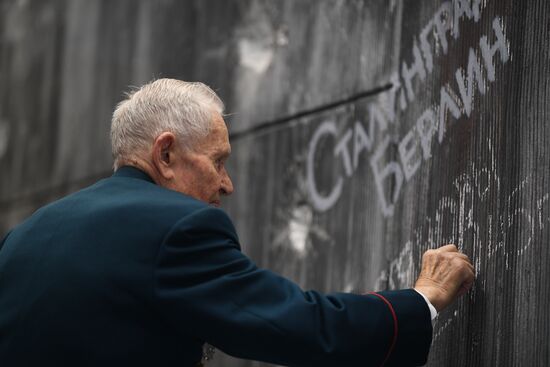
<point>395,328</point>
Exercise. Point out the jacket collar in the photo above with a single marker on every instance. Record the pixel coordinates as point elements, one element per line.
<point>132,172</point>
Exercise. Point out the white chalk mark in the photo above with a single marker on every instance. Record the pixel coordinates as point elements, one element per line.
<point>320,202</point>
<point>446,204</point>
<point>391,169</point>
<point>514,219</point>
<point>461,9</point>
<point>402,273</point>
<point>342,149</point>
<point>425,126</point>
<point>408,73</point>
<point>443,25</point>
<point>463,192</point>
<point>381,283</point>
<point>488,52</point>
<point>483,188</point>
<point>466,85</point>
<point>299,229</point>
<point>281,37</point>
<point>426,47</point>
<point>362,141</point>
<point>540,204</point>
<point>255,55</point>
<point>387,101</point>
<point>446,104</point>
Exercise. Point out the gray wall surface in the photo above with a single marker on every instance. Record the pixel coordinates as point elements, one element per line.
<point>364,133</point>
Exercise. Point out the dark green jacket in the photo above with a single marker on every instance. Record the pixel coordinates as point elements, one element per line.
<point>126,273</point>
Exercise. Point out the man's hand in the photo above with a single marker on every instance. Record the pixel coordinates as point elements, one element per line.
<point>446,274</point>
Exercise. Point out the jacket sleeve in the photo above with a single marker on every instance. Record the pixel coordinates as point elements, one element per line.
<point>209,290</point>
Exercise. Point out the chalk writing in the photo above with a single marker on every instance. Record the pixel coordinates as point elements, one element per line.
<point>402,271</point>
<point>415,146</point>
<point>477,187</point>
<point>445,325</point>
<point>322,202</point>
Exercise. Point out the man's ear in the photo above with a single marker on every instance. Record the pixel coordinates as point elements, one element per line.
<point>164,150</point>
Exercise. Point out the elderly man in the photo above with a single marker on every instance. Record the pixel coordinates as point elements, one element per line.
<point>142,269</point>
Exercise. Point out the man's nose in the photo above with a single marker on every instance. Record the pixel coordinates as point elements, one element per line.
<point>227,185</point>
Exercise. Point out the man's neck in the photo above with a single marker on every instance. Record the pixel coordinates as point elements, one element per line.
<point>144,166</point>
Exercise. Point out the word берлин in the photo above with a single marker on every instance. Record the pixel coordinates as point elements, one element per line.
<point>420,136</point>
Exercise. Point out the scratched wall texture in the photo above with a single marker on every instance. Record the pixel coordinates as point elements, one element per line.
<point>364,132</point>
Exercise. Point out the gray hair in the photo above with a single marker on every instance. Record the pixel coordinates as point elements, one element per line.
<point>183,108</point>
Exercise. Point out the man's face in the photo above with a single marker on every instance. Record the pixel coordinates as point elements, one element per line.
<point>200,173</point>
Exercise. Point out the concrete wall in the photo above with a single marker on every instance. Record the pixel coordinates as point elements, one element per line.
<point>364,133</point>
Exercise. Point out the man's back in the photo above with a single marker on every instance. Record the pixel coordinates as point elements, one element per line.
<point>76,279</point>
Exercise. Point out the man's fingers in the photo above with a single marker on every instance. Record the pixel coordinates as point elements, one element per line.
<point>454,256</point>
<point>463,259</point>
<point>462,256</point>
<point>468,279</point>
<point>464,266</point>
<point>448,248</point>
<point>446,274</point>
<point>468,282</point>
<point>464,288</point>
